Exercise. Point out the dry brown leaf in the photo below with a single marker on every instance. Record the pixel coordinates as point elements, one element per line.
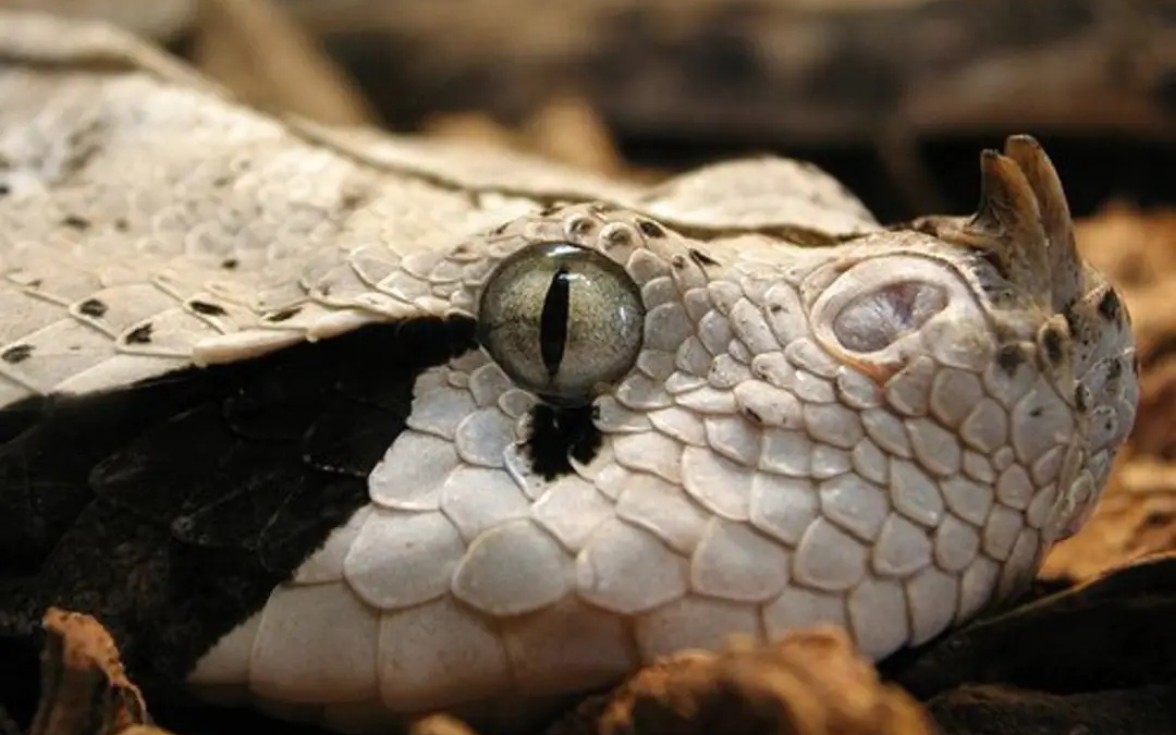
<point>84,689</point>
<point>813,682</point>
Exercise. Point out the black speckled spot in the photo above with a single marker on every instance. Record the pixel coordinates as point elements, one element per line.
<point>1051,341</point>
<point>651,229</point>
<point>17,353</point>
<point>229,264</point>
<point>283,314</point>
<point>1109,306</point>
<point>203,307</point>
<point>1010,358</point>
<point>1114,369</point>
<point>140,335</point>
<point>701,258</point>
<point>75,222</point>
<point>92,307</point>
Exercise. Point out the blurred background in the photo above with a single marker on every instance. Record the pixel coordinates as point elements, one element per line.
<point>894,97</point>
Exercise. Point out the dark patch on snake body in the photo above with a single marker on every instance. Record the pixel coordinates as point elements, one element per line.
<point>651,229</point>
<point>140,335</point>
<point>16,353</point>
<point>170,508</point>
<point>92,307</point>
<point>203,307</point>
<point>1010,357</point>
<point>1052,341</point>
<point>1109,305</point>
<point>702,259</point>
<point>283,314</point>
<point>559,434</point>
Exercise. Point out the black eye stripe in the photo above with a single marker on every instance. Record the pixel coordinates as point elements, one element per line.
<point>553,322</point>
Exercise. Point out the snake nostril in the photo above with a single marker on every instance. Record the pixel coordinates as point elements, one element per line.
<point>1109,305</point>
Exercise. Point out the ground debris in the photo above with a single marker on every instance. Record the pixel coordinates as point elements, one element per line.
<point>813,682</point>
<point>85,690</point>
<point>1099,657</point>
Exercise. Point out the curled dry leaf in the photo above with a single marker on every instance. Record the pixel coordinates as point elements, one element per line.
<point>84,689</point>
<point>811,683</point>
<point>1136,518</point>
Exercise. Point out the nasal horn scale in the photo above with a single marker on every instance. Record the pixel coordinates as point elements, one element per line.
<point>1022,222</point>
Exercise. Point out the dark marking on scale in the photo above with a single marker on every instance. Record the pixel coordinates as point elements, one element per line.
<point>171,508</point>
<point>17,353</point>
<point>560,433</point>
<point>1109,305</point>
<point>1114,369</point>
<point>207,309</point>
<point>140,335</point>
<point>1051,341</point>
<point>553,321</point>
<point>651,229</point>
<point>1010,357</point>
<point>92,307</point>
<point>702,259</point>
<point>283,314</point>
<point>75,222</point>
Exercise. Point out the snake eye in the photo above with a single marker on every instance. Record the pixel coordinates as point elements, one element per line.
<point>561,320</point>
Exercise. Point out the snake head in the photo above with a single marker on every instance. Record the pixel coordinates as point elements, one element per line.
<point>732,431</point>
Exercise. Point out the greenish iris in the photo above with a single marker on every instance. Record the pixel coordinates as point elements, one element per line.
<point>561,320</point>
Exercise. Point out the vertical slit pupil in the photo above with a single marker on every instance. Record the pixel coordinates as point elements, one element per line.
<point>553,322</point>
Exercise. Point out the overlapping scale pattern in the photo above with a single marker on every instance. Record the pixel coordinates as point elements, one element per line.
<point>748,481</point>
<point>754,473</point>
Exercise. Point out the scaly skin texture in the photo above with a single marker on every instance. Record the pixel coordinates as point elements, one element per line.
<point>827,421</point>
